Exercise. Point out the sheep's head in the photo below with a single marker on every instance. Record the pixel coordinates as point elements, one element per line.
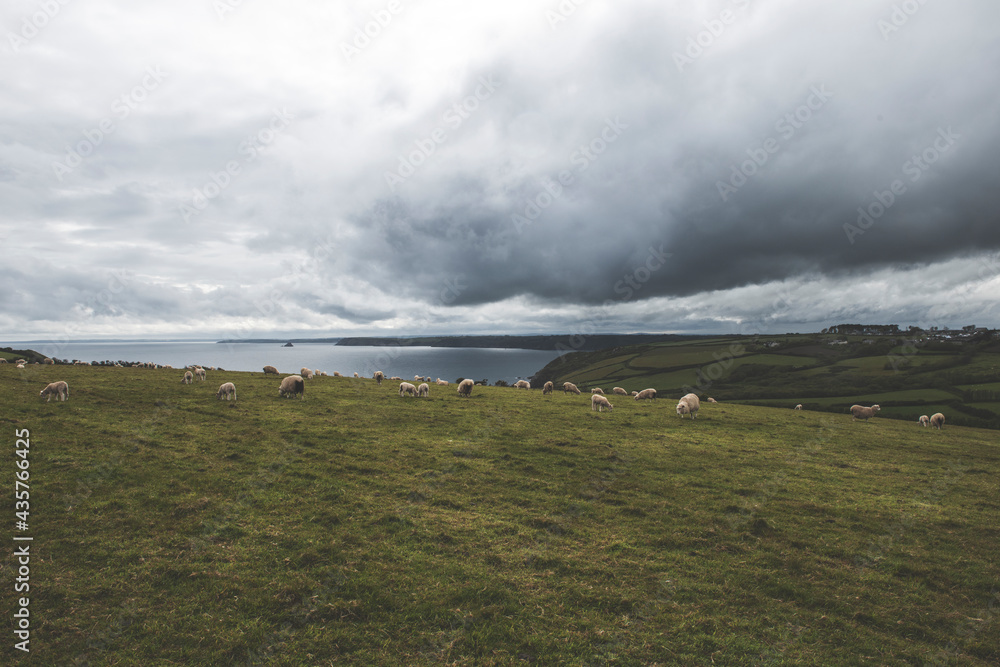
<point>875,408</point>
<point>683,408</point>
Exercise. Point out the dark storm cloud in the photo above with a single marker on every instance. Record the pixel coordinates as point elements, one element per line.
<point>753,170</point>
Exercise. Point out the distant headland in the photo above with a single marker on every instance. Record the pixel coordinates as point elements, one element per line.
<point>561,342</point>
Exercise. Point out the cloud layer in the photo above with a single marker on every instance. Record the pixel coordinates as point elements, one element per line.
<point>227,168</point>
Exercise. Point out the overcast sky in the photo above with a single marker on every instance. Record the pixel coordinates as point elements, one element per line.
<point>228,168</point>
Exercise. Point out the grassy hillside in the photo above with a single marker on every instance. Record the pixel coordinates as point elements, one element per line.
<point>357,527</point>
<point>906,380</point>
<point>11,355</point>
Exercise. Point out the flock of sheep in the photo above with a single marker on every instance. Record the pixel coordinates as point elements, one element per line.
<point>689,404</point>
<point>294,385</point>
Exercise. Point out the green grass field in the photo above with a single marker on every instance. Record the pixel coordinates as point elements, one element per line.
<point>358,527</point>
<point>803,368</point>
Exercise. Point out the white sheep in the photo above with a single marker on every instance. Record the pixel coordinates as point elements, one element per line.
<point>356,374</point>
<point>407,388</point>
<point>689,404</point>
<point>47,360</point>
<point>644,395</point>
<point>292,385</point>
<point>937,420</point>
<point>522,384</point>
<point>599,402</point>
<point>418,378</point>
<point>712,400</point>
<point>200,373</point>
<point>861,412</point>
<point>798,407</point>
<point>570,388</point>
<point>188,377</point>
<point>306,373</point>
<point>395,378</point>
<point>441,382</point>
<point>597,390</point>
<point>337,374</point>
<point>547,388</point>
<point>227,390</point>
<point>465,387</point>
<point>924,420</point>
<point>61,391</point>
<point>619,391</point>
<point>3,361</point>
<point>424,390</point>
<point>379,376</point>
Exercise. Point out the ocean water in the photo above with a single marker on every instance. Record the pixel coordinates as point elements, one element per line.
<point>448,363</point>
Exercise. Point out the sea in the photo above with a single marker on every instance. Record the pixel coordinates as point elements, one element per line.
<point>447,363</point>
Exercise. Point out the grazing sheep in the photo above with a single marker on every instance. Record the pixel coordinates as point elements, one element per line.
<point>441,382</point>
<point>407,388</point>
<point>619,391</point>
<point>522,384</point>
<point>228,390</point>
<point>547,388</point>
<point>465,387</point>
<point>924,420</point>
<point>378,377</point>
<point>292,385</point>
<point>200,373</point>
<point>599,402</point>
<point>188,377</point>
<point>306,373</point>
<point>712,400</point>
<point>336,374</point>
<point>46,360</point>
<point>356,374</point>
<point>570,388</point>
<point>20,366</point>
<point>61,391</point>
<point>424,390</point>
<point>645,394</point>
<point>798,407</point>
<point>3,361</point>
<point>418,378</point>
<point>597,390</point>
<point>937,420</point>
<point>634,394</point>
<point>861,412</point>
<point>688,404</point>
<point>395,378</point>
